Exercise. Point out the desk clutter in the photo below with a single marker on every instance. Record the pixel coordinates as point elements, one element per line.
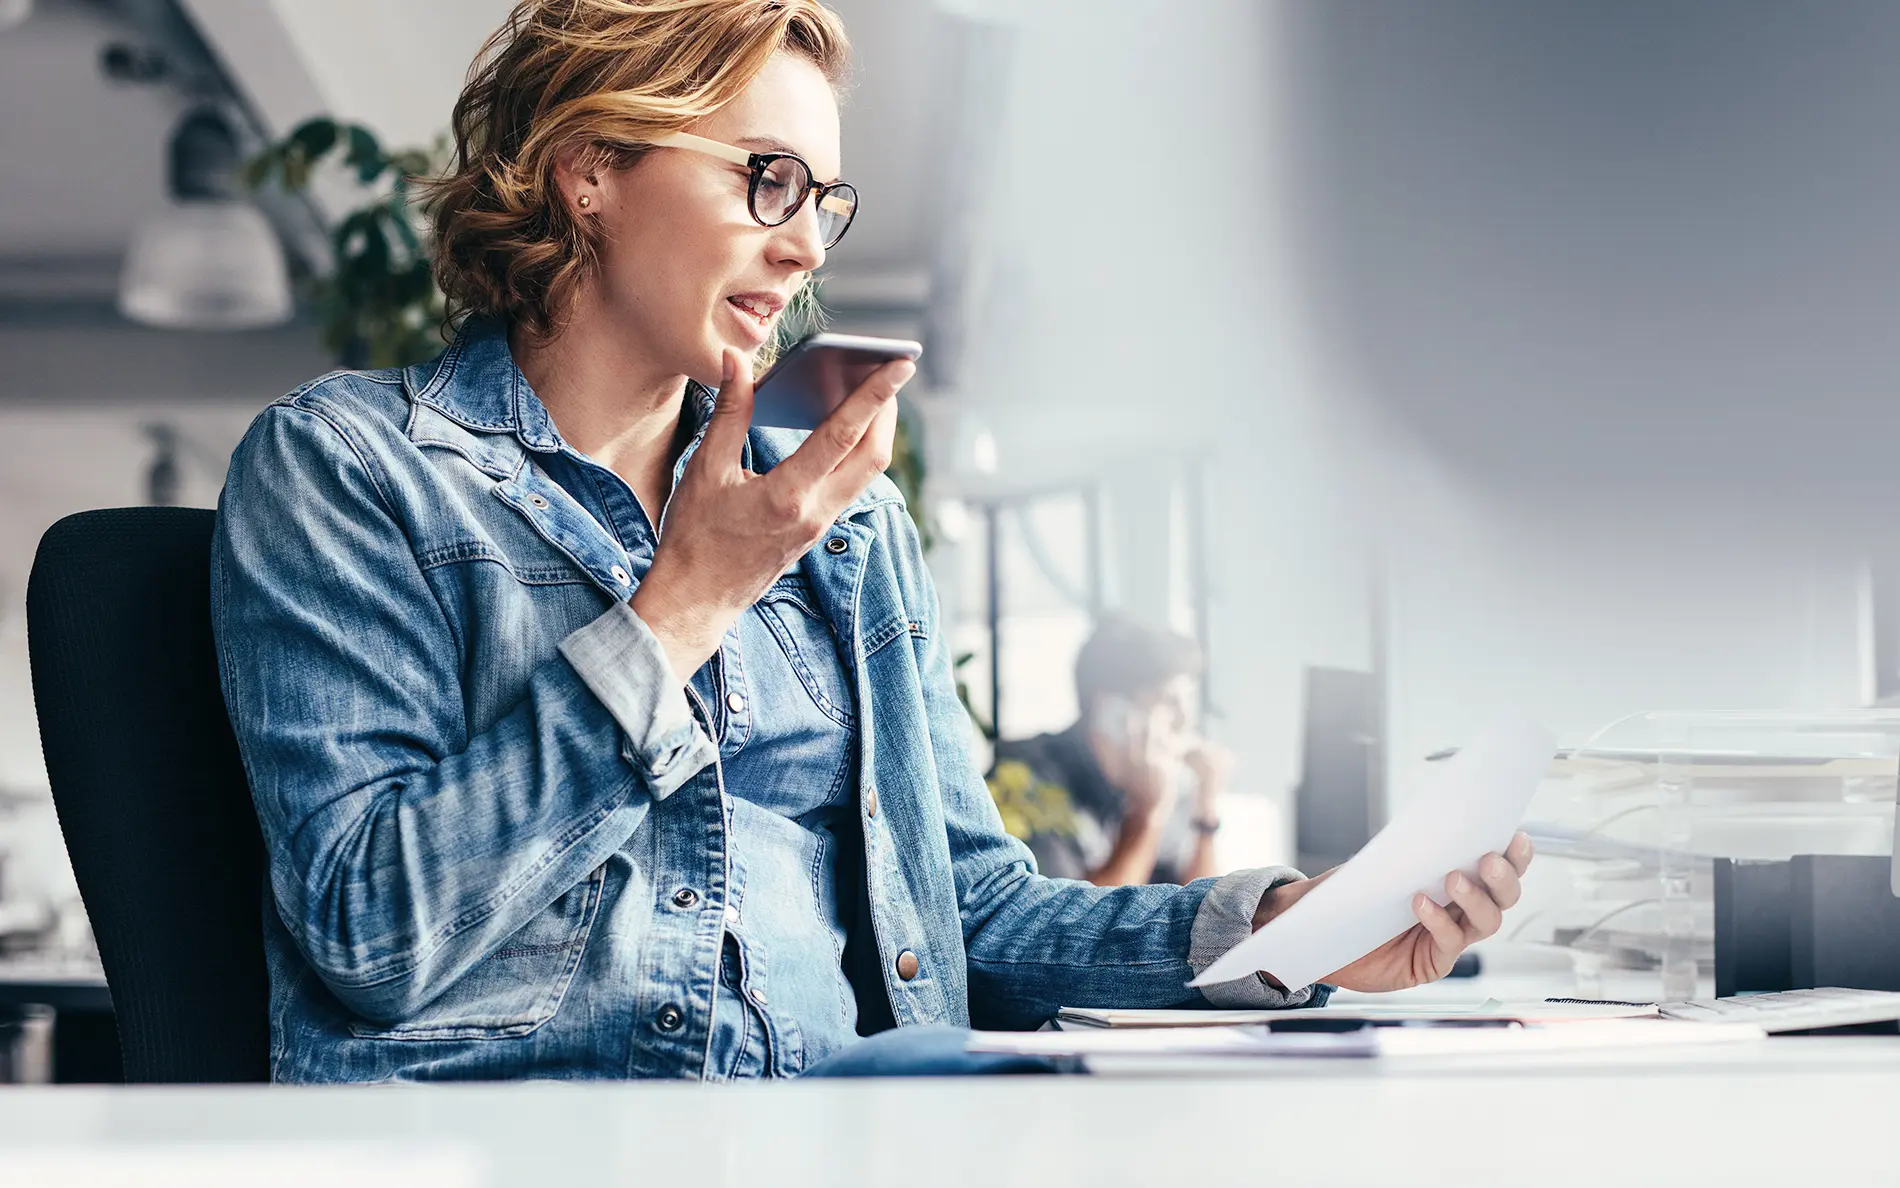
<point>1359,1035</point>
<point>1491,1028</point>
<point>1751,851</point>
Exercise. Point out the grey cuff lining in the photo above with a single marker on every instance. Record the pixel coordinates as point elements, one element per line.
<point>1224,920</point>
<point>622,662</point>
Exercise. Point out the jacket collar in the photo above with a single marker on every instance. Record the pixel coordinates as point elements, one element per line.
<point>476,384</point>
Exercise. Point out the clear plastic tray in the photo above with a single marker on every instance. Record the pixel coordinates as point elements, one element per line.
<point>1639,812</point>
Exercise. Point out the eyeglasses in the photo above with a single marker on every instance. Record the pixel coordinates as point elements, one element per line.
<point>780,184</point>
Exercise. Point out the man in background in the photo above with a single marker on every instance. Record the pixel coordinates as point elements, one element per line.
<point>1128,794</point>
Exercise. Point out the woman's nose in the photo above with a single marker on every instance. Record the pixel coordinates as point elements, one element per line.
<point>800,239</point>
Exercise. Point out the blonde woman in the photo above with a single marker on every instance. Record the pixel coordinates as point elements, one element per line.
<point>596,734</point>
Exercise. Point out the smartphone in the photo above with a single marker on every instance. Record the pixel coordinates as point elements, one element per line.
<point>815,376</point>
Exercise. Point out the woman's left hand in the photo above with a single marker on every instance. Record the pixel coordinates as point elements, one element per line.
<point>1425,952</point>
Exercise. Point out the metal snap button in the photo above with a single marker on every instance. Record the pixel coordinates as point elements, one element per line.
<point>870,802</point>
<point>907,965</point>
<point>836,545</point>
<point>539,501</point>
<point>735,702</point>
<point>685,897</point>
<point>758,996</point>
<point>669,1017</point>
<point>621,576</point>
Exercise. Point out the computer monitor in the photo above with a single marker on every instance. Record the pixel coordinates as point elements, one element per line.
<point>1340,802</point>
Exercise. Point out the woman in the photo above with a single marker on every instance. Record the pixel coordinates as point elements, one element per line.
<point>593,734</point>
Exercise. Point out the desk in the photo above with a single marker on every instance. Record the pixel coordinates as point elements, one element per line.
<point>1788,1111</point>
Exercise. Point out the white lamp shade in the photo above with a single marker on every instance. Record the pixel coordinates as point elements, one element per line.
<point>206,266</point>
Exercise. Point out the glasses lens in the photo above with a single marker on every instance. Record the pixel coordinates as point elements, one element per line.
<point>781,186</point>
<point>836,208</point>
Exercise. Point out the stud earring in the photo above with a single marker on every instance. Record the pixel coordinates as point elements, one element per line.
<point>585,202</point>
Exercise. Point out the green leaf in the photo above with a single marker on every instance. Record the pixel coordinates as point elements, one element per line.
<point>313,137</point>
<point>365,155</point>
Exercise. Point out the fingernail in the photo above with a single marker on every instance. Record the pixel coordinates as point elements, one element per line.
<point>1460,884</point>
<point>1495,868</point>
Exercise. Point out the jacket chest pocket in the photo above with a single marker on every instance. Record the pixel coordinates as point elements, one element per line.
<point>790,612</point>
<point>519,986</point>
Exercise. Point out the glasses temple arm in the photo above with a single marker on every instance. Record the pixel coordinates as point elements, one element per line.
<point>700,144</point>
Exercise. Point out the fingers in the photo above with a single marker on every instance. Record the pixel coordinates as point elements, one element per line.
<point>868,459</point>
<point>732,412</point>
<point>836,439</point>
<point>1448,935</point>
<point>1483,917</point>
<point>1500,879</point>
<point>1519,852</point>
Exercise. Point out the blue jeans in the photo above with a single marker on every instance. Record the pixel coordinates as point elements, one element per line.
<point>924,1052</point>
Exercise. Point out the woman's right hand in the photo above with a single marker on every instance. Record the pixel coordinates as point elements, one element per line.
<point>728,533</point>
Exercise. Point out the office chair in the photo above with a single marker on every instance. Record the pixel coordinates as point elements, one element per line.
<point>150,793</point>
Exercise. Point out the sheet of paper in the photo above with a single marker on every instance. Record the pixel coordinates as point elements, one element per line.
<point>1414,1040</point>
<point>1468,806</point>
<point>1071,1018</point>
<point>1246,1043</point>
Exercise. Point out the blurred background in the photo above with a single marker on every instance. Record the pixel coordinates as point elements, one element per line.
<point>1420,360</point>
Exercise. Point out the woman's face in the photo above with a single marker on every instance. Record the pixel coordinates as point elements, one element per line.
<point>681,250</point>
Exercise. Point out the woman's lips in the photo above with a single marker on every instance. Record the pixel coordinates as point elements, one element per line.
<point>761,308</point>
<point>755,318</point>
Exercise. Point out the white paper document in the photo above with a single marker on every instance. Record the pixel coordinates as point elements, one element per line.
<point>1415,1040</point>
<point>1540,1012</point>
<point>1469,806</point>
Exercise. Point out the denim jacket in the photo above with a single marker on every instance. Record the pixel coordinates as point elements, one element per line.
<point>497,837</point>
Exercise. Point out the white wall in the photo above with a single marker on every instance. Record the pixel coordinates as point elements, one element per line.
<point>1606,292</point>
<point>1579,625</point>
<point>1144,309</point>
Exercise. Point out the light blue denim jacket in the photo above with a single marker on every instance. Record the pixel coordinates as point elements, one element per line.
<point>498,843</point>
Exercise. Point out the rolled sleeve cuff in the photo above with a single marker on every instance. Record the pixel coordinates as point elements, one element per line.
<point>1224,920</point>
<point>620,660</point>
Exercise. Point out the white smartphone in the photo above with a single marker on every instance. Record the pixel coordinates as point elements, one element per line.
<point>816,374</point>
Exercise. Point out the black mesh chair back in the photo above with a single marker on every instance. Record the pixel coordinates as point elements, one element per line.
<point>150,793</point>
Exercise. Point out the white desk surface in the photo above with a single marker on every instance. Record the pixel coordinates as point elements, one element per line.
<point>1781,1112</point>
<point>1792,1111</point>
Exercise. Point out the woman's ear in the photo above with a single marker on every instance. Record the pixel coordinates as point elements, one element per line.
<point>577,178</point>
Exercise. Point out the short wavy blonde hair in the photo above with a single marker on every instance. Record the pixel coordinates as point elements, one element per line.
<point>605,77</point>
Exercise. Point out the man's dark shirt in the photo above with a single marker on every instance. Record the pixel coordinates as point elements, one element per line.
<point>1053,795</point>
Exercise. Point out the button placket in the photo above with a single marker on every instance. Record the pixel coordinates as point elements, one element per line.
<point>729,687</point>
